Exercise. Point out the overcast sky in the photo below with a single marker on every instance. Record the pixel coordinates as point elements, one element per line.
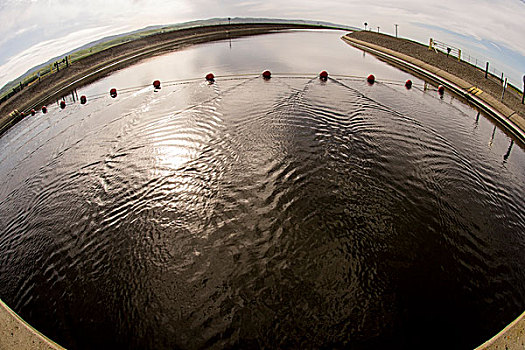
<point>34,31</point>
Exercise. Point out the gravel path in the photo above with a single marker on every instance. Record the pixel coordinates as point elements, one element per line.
<point>463,70</point>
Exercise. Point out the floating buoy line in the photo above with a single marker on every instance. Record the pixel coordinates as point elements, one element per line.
<point>211,79</point>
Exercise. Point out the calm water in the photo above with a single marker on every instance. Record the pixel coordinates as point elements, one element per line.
<point>250,213</point>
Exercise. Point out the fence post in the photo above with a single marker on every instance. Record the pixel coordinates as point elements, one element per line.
<point>487,71</point>
<point>523,96</point>
<point>430,44</point>
<point>504,87</point>
<point>501,77</point>
<point>459,55</point>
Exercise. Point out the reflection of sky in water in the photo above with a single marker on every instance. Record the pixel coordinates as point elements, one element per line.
<point>196,181</point>
<point>177,136</point>
<point>58,26</point>
<point>280,53</point>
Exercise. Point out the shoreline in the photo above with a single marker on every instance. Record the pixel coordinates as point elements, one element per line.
<point>15,333</point>
<point>458,76</point>
<point>99,64</point>
<point>416,58</point>
<point>88,70</point>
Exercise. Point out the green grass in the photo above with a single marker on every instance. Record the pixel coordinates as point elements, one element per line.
<point>28,79</point>
<point>78,55</point>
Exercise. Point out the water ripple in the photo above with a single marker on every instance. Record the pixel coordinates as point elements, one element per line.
<point>253,213</point>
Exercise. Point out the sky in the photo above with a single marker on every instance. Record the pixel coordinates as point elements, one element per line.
<point>34,31</point>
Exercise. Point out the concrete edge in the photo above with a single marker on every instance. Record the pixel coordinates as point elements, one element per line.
<point>511,337</point>
<point>15,333</point>
<point>509,119</point>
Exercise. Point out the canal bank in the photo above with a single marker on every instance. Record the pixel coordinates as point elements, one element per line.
<point>70,116</point>
<point>99,64</point>
<point>15,333</point>
<point>458,76</point>
<point>478,90</point>
<point>510,338</point>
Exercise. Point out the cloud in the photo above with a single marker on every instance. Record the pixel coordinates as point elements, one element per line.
<point>476,20</point>
<point>58,26</point>
<point>45,50</point>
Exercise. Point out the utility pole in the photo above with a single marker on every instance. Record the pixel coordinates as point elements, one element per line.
<point>396,28</point>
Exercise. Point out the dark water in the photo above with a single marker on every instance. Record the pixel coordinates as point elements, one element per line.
<point>249,213</point>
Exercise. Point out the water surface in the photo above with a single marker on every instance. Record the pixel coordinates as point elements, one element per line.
<point>249,213</point>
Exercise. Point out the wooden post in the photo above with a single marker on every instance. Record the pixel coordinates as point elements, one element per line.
<point>430,44</point>
<point>504,87</point>
<point>523,95</point>
<point>459,55</point>
<point>487,70</point>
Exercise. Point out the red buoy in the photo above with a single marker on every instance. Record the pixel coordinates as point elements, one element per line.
<point>113,92</point>
<point>210,77</point>
<point>33,112</point>
<point>62,104</point>
<point>323,75</point>
<point>267,74</point>
<point>371,79</point>
<point>44,109</point>
<point>441,89</point>
<point>408,84</point>
<point>83,99</point>
<point>156,84</point>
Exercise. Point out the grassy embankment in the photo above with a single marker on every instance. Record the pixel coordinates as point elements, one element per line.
<point>89,64</point>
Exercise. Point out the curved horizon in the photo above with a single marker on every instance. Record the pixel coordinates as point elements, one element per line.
<point>35,31</point>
